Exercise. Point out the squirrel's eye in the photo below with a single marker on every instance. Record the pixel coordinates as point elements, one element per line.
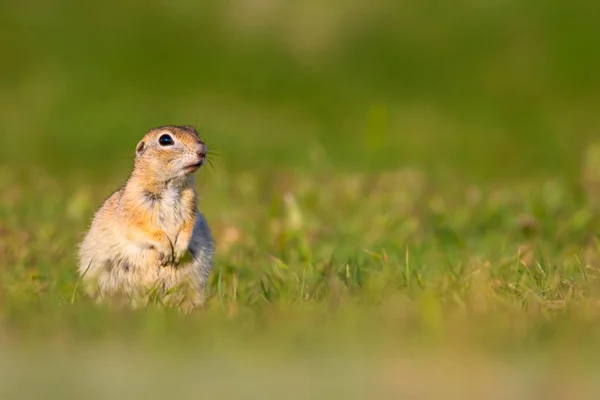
<point>165,140</point>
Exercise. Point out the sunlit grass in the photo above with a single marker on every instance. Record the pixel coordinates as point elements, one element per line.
<point>370,266</point>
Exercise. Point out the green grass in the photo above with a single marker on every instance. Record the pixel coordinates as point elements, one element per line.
<point>367,268</point>
<point>405,196</point>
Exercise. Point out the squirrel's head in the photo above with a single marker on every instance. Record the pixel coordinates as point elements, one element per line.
<point>170,152</point>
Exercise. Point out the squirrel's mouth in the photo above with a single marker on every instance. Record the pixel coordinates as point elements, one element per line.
<point>194,167</point>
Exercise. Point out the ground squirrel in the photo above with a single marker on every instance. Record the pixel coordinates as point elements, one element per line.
<point>148,238</point>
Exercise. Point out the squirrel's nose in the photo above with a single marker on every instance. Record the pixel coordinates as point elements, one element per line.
<point>202,150</point>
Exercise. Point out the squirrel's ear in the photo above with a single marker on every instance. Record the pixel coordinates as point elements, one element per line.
<point>141,147</point>
<point>190,128</point>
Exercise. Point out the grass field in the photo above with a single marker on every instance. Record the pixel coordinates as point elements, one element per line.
<point>405,198</point>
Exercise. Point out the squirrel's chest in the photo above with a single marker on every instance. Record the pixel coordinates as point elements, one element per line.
<point>171,212</point>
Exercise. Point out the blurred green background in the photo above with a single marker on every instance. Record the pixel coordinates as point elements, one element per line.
<point>495,89</point>
<point>475,90</point>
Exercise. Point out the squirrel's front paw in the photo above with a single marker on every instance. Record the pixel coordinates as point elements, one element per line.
<point>181,255</point>
<point>165,251</point>
<point>165,258</point>
<point>180,250</point>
